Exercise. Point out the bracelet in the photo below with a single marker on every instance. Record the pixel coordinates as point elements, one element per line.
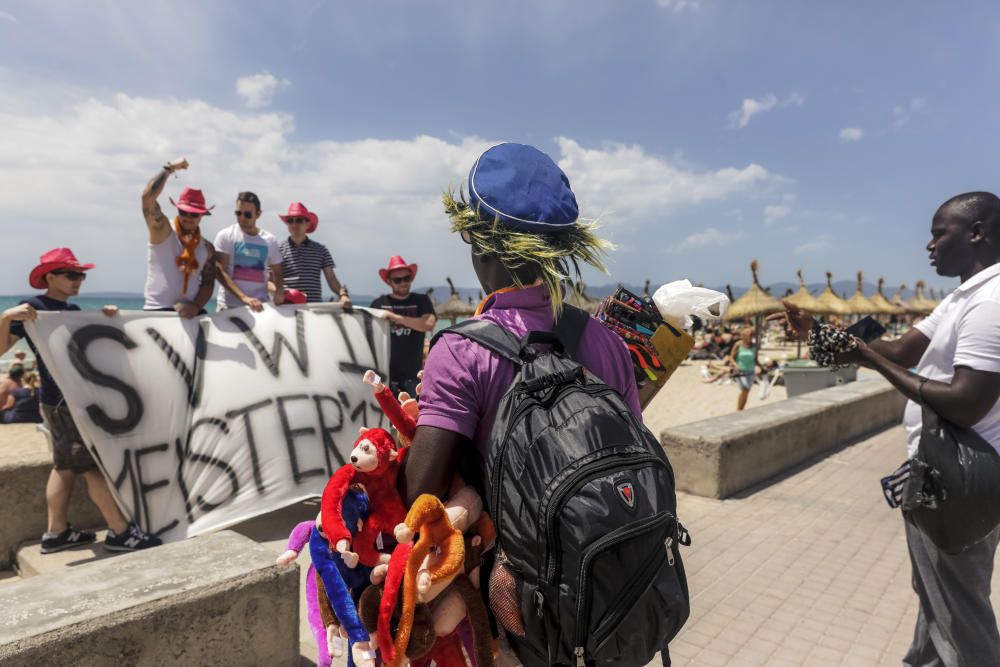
<point>920,390</point>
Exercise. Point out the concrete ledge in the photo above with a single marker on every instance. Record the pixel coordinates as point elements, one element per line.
<point>721,456</point>
<point>25,462</point>
<point>212,600</point>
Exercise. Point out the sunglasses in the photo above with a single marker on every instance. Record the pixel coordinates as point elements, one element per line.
<point>297,221</point>
<point>245,214</point>
<point>188,214</point>
<point>402,280</point>
<point>72,275</point>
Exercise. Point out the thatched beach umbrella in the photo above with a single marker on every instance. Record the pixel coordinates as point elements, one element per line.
<point>859,303</point>
<point>754,303</point>
<point>645,290</point>
<point>830,303</point>
<point>454,307</point>
<point>921,303</point>
<point>882,304</point>
<point>901,303</point>
<point>803,299</point>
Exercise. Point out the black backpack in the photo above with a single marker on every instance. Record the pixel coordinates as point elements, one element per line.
<point>582,495</point>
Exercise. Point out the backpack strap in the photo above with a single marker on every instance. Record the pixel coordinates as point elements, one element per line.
<point>570,327</point>
<point>491,336</point>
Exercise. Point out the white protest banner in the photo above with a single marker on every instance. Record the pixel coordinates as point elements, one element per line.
<point>199,424</point>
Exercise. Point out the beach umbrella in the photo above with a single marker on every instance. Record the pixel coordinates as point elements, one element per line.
<point>882,304</point>
<point>859,303</point>
<point>829,301</point>
<point>905,304</point>
<point>921,303</point>
<point>454,307</point>
<point>754,303</point>
<point>803,299</point>
<point>645,290</point>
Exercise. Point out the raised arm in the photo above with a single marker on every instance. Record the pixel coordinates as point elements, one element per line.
<point>158,224</point>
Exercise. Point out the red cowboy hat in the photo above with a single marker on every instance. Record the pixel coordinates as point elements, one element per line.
<point>294,296</point>
<point>53,260</point>
<point>192,201</point>
<point>299,210</point>
<point>396,262</point>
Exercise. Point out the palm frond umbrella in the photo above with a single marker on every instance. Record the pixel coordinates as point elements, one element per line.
<point>934,297</point>
<point>904,304</point>
<point>754,303</point>
<point>454,308</point>
<point>883,305</point>
<point>645,290</point>
<point>859,303</point>
<point>803,298</point>
<point>921,303</point>
<point>830,303</point>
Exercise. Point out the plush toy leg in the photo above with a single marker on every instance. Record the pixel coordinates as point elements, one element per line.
<point>316,618</point>
<point>336,589</point>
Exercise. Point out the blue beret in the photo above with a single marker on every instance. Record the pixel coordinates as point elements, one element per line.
<point>524,187</point>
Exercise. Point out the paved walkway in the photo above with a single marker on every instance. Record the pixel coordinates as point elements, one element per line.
<point>810,570</point>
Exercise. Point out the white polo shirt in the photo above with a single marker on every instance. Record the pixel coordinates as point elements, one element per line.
<point>964,330</point>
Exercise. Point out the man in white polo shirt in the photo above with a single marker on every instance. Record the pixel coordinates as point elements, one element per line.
<point>956,355</point>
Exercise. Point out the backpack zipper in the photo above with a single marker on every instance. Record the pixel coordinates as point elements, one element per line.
<point>603,544</point>
<point>623,460</point>
<point>496,476</point>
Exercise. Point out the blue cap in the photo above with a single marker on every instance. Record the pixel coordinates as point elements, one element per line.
<point>524,188</point>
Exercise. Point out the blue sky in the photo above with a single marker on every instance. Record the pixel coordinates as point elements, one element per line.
<point>702,133</point>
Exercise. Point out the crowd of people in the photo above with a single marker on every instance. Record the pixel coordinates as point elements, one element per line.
<point>524,235</point>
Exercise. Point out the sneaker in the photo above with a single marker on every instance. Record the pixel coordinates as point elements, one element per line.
<point>132,539</point>
<point>69,538</point>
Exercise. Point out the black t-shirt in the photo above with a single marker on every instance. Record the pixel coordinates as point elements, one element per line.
<point>50,393</point>
<point>407,345</point>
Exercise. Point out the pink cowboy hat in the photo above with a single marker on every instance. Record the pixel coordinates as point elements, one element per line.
<point>396,262</point>
<point>294,296</point>
<point>53,260</point>
<point>192,201</point>
<point>299,210</point>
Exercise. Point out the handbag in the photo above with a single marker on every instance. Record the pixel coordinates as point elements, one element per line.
<point>953,492</point>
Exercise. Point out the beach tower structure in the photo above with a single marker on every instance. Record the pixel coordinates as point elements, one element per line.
<point>859,304</point>
<point>754,304</point>
<point>829,301</point>
<point>454,308</point>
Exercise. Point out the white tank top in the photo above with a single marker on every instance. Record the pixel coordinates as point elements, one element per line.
<point>164,279</point>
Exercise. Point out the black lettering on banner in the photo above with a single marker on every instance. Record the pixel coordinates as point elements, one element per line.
<point>129,474</point>
<point>327,430</point>
<point>184,455</point>
<point>194,377</point>
<point>145,489</point>
<point>78,344</point>
<point>273,359</point>
<point>291,434</point>
<point>353,366</point>
<point>251,442</point>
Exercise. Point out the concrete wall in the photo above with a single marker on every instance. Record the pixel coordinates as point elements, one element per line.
<point>25,462</point>
<point>721,456</point>
<point>212,600</point>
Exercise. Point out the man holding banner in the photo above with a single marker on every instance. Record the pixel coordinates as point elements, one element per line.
<point>60,275</point>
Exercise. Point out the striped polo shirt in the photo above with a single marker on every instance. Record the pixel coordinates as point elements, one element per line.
<point>302,266</point>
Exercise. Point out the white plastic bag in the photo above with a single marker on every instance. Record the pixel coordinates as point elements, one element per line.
<point>679,300</point>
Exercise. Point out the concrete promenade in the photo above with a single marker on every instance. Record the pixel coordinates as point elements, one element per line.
<point>811,569</point>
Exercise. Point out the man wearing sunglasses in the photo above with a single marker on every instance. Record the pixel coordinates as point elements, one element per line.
<point>60,275</point>
<point>246,253</point>
<point>412,316</point>
<point>181,269</point>
<point>304,259</point>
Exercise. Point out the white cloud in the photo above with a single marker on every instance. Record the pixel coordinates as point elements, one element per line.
<point>901,114</point>
<point>851,134</point>
<point>680,6</point>
<point>710,237</point>
<point>89,158</point>
<point>6,16</point>
<point>751,107</point>
<point>258,90</point>
<point>635,185</point>
<point>775,212</point>
<point>818,244</point>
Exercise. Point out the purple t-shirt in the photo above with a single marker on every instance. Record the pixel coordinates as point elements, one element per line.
<point>464,382</point>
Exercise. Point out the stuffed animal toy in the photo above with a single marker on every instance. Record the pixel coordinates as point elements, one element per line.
<point>399,411</point>
<point>375,465</point>
<point>314,590</point>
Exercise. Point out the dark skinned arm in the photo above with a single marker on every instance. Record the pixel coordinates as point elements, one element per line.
<point>431,463</point>
<point>963,401</point>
